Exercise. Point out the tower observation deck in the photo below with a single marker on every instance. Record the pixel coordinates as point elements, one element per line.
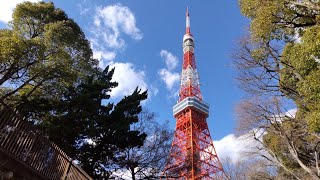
<point>192,156</point>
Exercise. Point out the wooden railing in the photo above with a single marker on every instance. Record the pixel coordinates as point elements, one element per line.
<point>26,145</point>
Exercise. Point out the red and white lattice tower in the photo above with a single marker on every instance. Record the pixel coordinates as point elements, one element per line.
<point>192,156</point>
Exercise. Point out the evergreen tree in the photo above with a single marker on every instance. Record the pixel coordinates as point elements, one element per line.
<point>86,126</point>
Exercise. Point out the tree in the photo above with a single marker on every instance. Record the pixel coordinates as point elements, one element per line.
<point>48,74</point>
<point>147,161</point>
<point>90,131</point>
<point>278,65</point>
<point>283,137</point>
<point>88,128</point>
<point>288,20</point>
<point>41,54</point>
<point>248,167</point>
<point>112,134</point>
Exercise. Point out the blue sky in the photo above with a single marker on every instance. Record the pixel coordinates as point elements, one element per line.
<point>130,35</point>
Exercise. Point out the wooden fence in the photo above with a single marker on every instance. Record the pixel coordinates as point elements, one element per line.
<point>25,144</point>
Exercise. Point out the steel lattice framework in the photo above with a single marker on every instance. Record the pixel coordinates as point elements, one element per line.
<point>192,155</point>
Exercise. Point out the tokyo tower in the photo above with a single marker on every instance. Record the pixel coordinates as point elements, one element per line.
<point>192,156</point>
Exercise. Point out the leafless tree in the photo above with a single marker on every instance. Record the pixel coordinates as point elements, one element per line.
<point>276,129</point>
<point>265,112</point>
<point>259,66</point>
<point>246,168</point>
<point>147,161</point>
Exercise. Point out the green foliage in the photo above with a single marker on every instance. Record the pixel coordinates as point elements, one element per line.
<point>41,53</point>
<point>302,57</point>
<point>111,134</point>
<point>276,19</point>
<point>87,129</point>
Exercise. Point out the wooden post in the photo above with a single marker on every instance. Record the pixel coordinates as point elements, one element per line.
<point>66,171</point>
<point>317,165</point>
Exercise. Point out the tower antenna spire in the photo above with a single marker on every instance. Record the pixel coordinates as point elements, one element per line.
<point>187,21</point>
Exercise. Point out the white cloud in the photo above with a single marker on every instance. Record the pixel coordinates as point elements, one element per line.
<point>289,114</point>
<point>235,148</point>
<point>111,21</point>
<point>105,58</point>
<point>154,91</point>
<point>123,174</point>
<point>82,8</point>
<point>6,8</point>
<point>239,148</point>
<point>170,59</point>
<point>169,78</point>
<point>126,174</point>
<point>128,78</point>
<point>167,75</point>
<point>109,25</point>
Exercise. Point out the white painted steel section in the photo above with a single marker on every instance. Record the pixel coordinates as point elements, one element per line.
<point>191,102</point>
<point>189,76</point>
<point>188,48</point>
